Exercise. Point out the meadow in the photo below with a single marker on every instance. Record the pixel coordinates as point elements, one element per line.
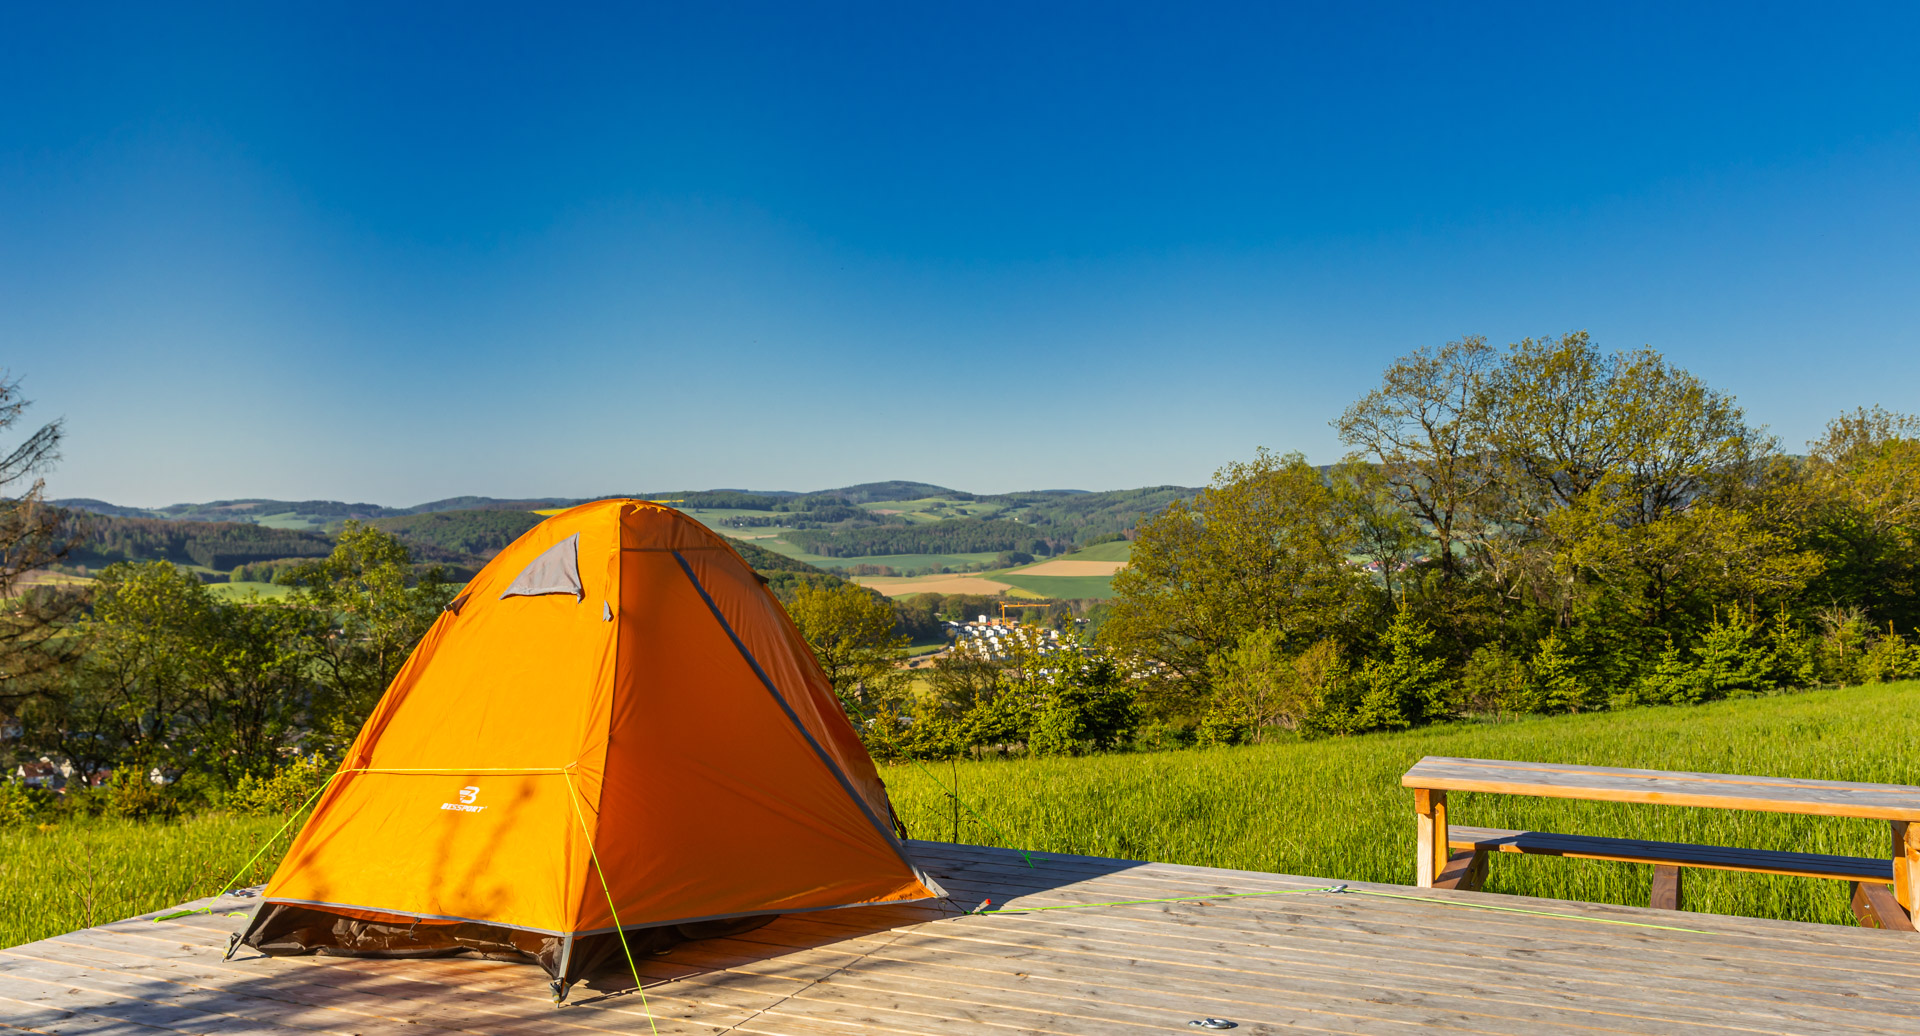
<point>76,873</point>
<point>1335,808</point>
<point>1331,809</point>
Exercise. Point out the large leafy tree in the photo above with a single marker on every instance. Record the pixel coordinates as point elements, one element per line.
<point>1264,546</point>
<point>1863,491</point>
<point>851,631</point>
<point>1423,431</point>
<point>377,609</point>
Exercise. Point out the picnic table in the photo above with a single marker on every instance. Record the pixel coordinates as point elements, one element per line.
<point>1456,857</point>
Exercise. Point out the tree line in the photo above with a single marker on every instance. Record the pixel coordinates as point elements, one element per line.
<point>103,539</point>
<point>1542,528</point>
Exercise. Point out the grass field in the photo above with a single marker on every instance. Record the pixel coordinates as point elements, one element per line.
<point>1098,587</point>
<point>1335,808</point>
<point>1119,550</point>
<point>936,508</point>
<point>87,872</point>
<point>239,590</point>
<point>1331,809</point>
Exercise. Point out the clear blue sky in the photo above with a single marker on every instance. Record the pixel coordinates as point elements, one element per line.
<point>391,257</point>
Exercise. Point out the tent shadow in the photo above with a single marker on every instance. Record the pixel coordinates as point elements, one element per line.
<point>971,875</point>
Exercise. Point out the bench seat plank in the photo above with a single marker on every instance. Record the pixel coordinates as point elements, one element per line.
<point>1678,854</point>
<point>1667,787</point>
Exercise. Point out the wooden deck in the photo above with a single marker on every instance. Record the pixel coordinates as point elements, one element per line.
<point>1319,961</point>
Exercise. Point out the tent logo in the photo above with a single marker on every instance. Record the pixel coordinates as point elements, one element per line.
<point>465,805</point>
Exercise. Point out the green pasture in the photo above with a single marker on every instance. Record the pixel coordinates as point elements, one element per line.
<point>236,591</point>
<point>1118,550</point>
<point>1063,587</point>
<point>899,562</point>
<point>937,508</point>
<point>1334,809</point>
<point>290,520</point>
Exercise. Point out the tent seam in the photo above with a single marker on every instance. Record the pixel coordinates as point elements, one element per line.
<point>819,752</point>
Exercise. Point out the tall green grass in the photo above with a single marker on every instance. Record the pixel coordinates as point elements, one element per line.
<point>58,877</point>
<point>1331,809</point>
<point>1335,808</point>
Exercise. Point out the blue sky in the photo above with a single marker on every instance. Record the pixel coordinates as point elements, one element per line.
<point>344,253</point>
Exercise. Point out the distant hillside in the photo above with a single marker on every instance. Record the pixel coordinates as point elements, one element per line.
<point>219,546</point>
<point>482,533</point>
<point>934,528</point>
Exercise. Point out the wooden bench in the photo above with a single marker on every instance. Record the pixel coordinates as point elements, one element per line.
<point>1874,905</point>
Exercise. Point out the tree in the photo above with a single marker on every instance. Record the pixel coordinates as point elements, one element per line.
<point>851,632</point>
<point>1616,468</point>
<point>1407,685</point>
<point>1264,546</point>
<point>32,537</point>
<point>1384,532</point>
<point>1863,476</point>
<point>1257,686</point>
<point>372,618</point>
<point>1422,427</point>
<point>251,685</point>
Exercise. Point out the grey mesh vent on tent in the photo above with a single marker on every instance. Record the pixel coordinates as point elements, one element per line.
<point>556,571</point>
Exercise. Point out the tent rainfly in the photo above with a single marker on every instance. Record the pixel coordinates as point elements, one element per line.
<point>614,728</point>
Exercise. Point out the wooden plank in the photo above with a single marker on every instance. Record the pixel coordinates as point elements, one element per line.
<point>1874,906</point>
<point>1666,888</point>
<point>1224,979</point>
<point>1679,854</point>
<point>1754,931</point>
<point>1673,788</point>
<point>1430,821</point>
<point>1282,951</point>
<point>1467,870</point>
<point>1312,959</point>
<point>1382,956</point>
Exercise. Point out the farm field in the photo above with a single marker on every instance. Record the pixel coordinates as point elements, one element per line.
<point>955,583</point>
<point>1064,587</point>
<point>936,508</point>
<point>1331,809</point>
<point>1066,567</point>
<point>1118,550</point>
<point>235,591</point>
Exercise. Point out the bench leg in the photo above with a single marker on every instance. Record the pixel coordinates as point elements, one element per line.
<point>1666,888</point>
<point>1874,907</point>
<point>1906,864</point>
<point>1430,816</point>
<point>1466,871</point>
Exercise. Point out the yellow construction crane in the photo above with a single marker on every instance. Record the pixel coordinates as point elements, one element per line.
<point>1004,606</point>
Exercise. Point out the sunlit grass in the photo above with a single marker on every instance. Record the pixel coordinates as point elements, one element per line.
<point>61,876</point>
<point>1331,809</point>
<point>1335,808</point>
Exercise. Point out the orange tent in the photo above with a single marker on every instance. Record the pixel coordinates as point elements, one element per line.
<point>615,726</point>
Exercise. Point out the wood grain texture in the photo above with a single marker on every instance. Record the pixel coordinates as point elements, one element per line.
<point>1874,906</point>
<point>1666,888</point>
<point>1308,958</point>
<point>1667,787</point>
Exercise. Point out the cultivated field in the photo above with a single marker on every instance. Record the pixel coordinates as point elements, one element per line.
<point>957,583</point>
<point>1331,809</point>
<point>1067,567</point>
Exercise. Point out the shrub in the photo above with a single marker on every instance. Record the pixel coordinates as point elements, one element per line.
<point>281,793</point>
<point>21,804</point>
